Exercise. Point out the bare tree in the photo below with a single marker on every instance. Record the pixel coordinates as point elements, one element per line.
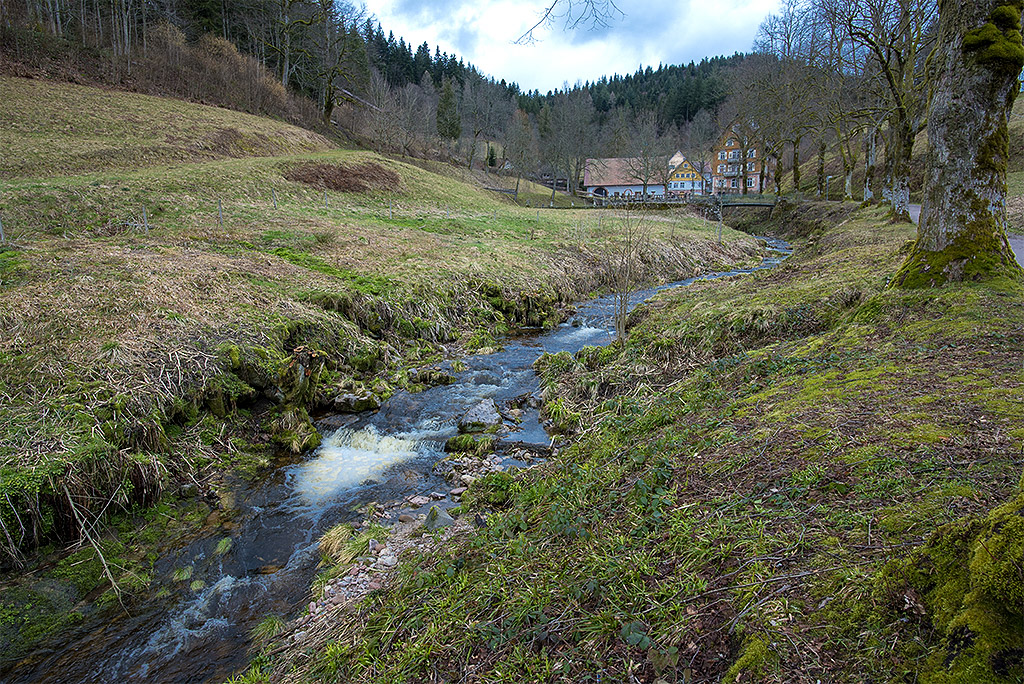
<point>700,137</point>
<point>625,260</point>
<point>648,161</point>
<point>521,146</point>
<point>569,138</point>
<point>893,39</point>
<point>974,83</point>
<point>573,14</point>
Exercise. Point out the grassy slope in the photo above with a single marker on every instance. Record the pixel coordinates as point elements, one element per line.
<point>752,498</point>
<point>124,349</point>
<point>60,129</point>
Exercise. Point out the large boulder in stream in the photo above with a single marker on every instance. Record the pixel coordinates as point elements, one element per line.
<point>481,418</point>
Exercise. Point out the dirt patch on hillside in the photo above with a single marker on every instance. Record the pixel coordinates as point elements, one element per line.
<point>357,178</point>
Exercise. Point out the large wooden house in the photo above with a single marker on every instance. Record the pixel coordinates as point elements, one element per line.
<point>738,163</point>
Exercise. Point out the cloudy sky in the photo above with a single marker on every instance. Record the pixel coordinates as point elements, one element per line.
<point>647,32</point>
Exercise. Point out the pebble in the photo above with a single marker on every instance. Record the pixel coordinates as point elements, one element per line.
<point>388,561</point>
<point>419,500</point>
<point>458,491</point>
<point>405,518</point>
<point>437,496</point>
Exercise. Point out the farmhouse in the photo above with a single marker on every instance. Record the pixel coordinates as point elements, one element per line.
<point>620,177</point>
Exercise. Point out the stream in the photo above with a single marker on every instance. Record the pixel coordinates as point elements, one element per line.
<point>195,628</point>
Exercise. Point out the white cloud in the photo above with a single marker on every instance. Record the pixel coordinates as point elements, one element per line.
<point>657,31</point>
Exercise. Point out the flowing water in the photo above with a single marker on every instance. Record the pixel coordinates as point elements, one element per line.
<point>199,631</point>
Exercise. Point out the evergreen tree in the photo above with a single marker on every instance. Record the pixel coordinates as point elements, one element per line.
<point>449,124</point>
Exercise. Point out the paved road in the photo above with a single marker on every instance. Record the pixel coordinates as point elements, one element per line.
<point>1017,243</point>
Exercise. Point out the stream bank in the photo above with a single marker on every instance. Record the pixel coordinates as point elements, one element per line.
<point>264,554</point>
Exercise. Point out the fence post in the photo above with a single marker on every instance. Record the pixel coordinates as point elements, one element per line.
<point>326,206</point>
<point>273,194</point>
<point>145,218</point>
<point>391,214</point>
<point>3,238</point>
<point>220,212</point>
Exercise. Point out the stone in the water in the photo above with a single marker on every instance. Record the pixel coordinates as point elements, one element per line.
<point>419,500</point>
<point>458,491</point>
<point>356,403</point>
<point>405,518</point>
<point>438,518</point>
<point>481,417</point>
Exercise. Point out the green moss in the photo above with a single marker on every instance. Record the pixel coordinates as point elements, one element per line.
<point>998,43</point>
<point>755,661</point>
<point>969,577</point>
<point>469,444</point>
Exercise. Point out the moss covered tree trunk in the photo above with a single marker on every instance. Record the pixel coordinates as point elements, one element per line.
<point>962,232</point>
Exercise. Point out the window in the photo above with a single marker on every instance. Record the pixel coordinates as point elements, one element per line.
<point>721,168</point>
<point>750,166</point>
<point>733,184</point>
<point>750,182</point>
<point>734,154</point>
<point>751,153</point>
<point>730,142</point>
<point>722,154</point>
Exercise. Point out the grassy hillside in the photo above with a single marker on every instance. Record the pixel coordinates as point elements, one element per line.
<point>797,476</point>
<point>174,310</point>
<point>58,129</point>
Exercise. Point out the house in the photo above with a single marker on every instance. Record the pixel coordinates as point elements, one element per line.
<point>684,178</point>
<point>621,177</point>
<point>738,161</point>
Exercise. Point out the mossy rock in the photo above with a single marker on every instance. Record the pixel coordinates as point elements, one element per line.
<point>293,430</point>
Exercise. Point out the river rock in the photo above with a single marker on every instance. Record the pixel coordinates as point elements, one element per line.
<point>356,403</point>
<point>388,561</point>
<point>438,518</point>
<point>419,500</point>
<point>405,518</point>
<point>481,417</point>
<point>458,491</point>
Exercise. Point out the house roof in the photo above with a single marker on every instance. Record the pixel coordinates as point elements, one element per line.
<point>614,171</point>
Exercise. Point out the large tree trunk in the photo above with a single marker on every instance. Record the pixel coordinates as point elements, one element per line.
<point>899,154</point>
<point>871,154</point>
<point>962,232</point>
<point>796,164</point>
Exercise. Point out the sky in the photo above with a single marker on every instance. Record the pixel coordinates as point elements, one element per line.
<point>646,32</point>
